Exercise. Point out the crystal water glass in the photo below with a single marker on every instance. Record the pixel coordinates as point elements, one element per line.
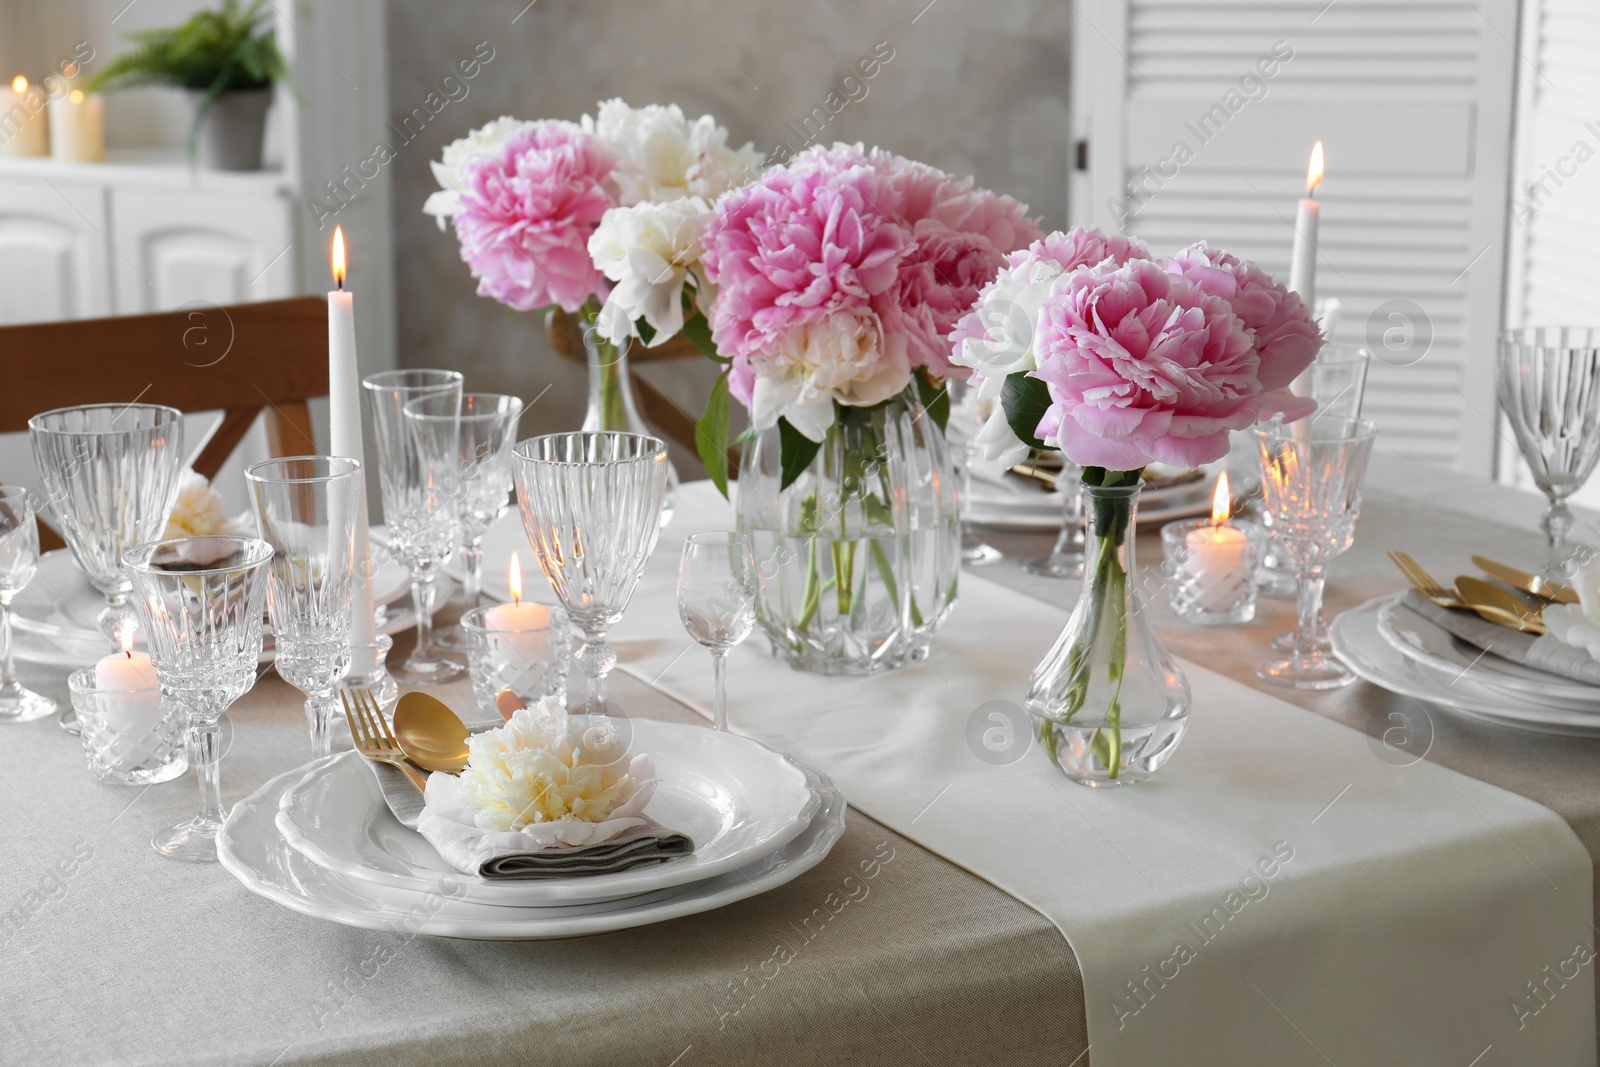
<point>967,415</point>
<point>1066,556</point>
<point>1549,387</point>
<point>420,520</point>
<point>591,507</point>
<point>306,508</point>
<point>466,447</point>
<point>203,627</point>
<point>19,557</point>
<point>1311,486</point>
<point>110,474</point>
<point>717,586</point>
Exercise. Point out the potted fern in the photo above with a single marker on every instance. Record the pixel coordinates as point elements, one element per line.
<point>226,61</point>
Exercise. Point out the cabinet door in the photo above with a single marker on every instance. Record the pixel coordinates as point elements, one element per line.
<point>53,252</point>
<point>180,246</point>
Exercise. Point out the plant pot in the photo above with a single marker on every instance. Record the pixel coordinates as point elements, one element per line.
<point>232,130</point>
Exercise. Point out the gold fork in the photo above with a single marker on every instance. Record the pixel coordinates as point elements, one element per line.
<point>1424,583</point>
<point>372,735</point>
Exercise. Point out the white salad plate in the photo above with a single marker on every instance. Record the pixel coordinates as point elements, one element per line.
<point>53,617</point>
<point>253,851</point>
<point>736,798</point>
<point>1360,643</point>
<point>1011,503</point>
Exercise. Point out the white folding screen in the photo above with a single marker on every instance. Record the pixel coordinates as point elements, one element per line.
<point>1199,116</point>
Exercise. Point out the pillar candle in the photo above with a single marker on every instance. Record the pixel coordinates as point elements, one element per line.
<point>78,128</point>
<point>22,120</point>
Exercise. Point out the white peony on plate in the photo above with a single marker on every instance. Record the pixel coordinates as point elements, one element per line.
<point>253,851</point>
<point>738,799</point>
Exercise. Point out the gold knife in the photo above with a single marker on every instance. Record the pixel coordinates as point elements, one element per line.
<point>1537,584</point>
<point>1499,606</point>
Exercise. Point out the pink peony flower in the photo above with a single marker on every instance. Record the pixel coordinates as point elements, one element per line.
<point>526,215</point>
<point>1145,366</point>
<point>1286,339</point>
<point>937,285</point>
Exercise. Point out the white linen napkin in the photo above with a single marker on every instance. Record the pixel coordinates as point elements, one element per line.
<point>1544,653</point>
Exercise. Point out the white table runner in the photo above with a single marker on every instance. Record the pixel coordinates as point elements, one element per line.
<point>1277,894</point>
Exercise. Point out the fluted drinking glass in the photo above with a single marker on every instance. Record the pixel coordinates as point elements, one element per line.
<point>717,581</point>
<point>466,447</point>
<point>203,627</point>
<point>1549,388</point>
<point>19,557</point>
<point>591,506</point>
<point>421,524</point>
<point>306,509</point>
<point>1067,554</point>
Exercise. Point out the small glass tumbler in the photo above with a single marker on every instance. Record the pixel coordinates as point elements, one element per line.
<point>1210,569</point>
<point>522,647</point>
<point>130,737</point>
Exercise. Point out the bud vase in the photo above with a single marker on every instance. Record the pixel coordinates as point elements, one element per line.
<point>1109,703</point>
<point>860,555</point>
<point>610,405</point>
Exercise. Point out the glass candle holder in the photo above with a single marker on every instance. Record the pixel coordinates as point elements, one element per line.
<point>130,736</point>
<point>523,647</point>
<point>1210,569</point>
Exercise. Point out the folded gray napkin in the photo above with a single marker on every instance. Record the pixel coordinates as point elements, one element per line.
<point>640,846</point>
<point>1543,653</point>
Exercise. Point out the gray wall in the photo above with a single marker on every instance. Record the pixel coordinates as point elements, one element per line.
<point>974,86</point>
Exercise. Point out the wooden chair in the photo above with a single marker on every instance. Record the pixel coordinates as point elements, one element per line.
<point>243,359</point>
<point>566,335</point>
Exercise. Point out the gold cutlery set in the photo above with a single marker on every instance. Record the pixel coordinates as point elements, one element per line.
<point>1517,604</point>
<point>431,737</point>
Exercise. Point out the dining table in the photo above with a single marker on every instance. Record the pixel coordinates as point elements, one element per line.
<point>890,951</point>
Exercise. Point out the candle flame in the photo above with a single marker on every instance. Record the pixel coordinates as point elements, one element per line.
<point>70,70</point>
<point>514,577</point>
<point>127,638</point>
<point>19,84</point>
<point>1222,501</point>
<point>338,255</point>
<point>76,96</point>
<point>1314,171</point>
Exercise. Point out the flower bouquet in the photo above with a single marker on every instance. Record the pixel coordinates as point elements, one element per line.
<point>1092,347</point>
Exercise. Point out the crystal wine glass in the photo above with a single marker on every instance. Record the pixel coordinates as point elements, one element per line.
<point>110,474</point>
<point>19,556</point>
<point>1549,388</point>
<point>1066,557</point>
<point>717,602</point>
<point>466,447</point>
<point>591,506</point>
<point>967,416</point>
<point>422,527</point>
<point>203,627</point>
<point>306,509</point>
<point>1311,485</point>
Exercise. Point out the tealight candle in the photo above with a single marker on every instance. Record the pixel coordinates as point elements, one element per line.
<point>78,128</point>
<point>22,122</point>
<point>129,693</point>
<point>1217,554</point>
<point>514,620</point>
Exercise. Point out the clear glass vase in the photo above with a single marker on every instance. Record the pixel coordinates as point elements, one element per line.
<point>611,404</point>
<point>1109,703</point>
<point>860,556</point>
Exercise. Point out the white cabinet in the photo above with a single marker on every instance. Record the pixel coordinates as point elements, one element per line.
<point>53,253</point>
<point>218,247</point>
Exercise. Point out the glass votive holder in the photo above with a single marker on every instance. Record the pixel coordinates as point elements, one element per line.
<point>1211,569</point>
<point>523,647</point>
<point>129,736</point>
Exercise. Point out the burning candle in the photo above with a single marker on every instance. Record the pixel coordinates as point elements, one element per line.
<point>129,696</point>
<point>22,120</point>
<point>1303,265</point>
<point>515,618</point>
<point>344,419</point>
<point>78,128</point>
<point>1217,554</point>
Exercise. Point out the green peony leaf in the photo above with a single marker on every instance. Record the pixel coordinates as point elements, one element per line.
<point>795,453</point>
<point>1025,401</point>
<point>711,434</point>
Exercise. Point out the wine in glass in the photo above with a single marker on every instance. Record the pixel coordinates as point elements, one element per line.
<point>717,581</point>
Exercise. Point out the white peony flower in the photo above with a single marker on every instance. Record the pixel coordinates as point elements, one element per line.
<point>1009,310</point>
<point>199,510</point>
<point>649,251</point>
<point>844,357</point>
<point>663,156</point>
<point>1579,624</point>
<point>549,768</point>
<point>450,170</point>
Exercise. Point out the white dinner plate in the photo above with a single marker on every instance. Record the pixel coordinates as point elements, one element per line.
<point>738,799</point>
<point>1011,503</point>
<point>252,850</point>
<point>1420,638</point>
<point>54,615</point>
<point>1361,645</point>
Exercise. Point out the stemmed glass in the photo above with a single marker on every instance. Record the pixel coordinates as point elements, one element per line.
<point>1549,387</point>
<point>306,510</point>
<point>422,525</point>
<point>591,506</point>
<point>466,447</point>
<point>19,555</point>
<point>967,416</point>
<point>1311,485</point>
<point>203,627</point>
<point>717,602</point>
<point>1066,557</point>
<point>110,474</point>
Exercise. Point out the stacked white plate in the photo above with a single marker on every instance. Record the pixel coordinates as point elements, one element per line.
<point>321,840</point>
<point>53,618</point>
<point>1393,647</point>
<point>1017,503</point>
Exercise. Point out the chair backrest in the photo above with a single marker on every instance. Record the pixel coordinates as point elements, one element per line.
<point>244,359</point>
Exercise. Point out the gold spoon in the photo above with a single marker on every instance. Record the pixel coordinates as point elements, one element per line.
<point>430,734</point>
<point>1499,605</point>
<point>1537,584</point>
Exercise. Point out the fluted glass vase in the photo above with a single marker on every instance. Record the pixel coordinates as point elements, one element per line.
<point>610,405</point>
<point>1109,704</point>
<point>860,555</point>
